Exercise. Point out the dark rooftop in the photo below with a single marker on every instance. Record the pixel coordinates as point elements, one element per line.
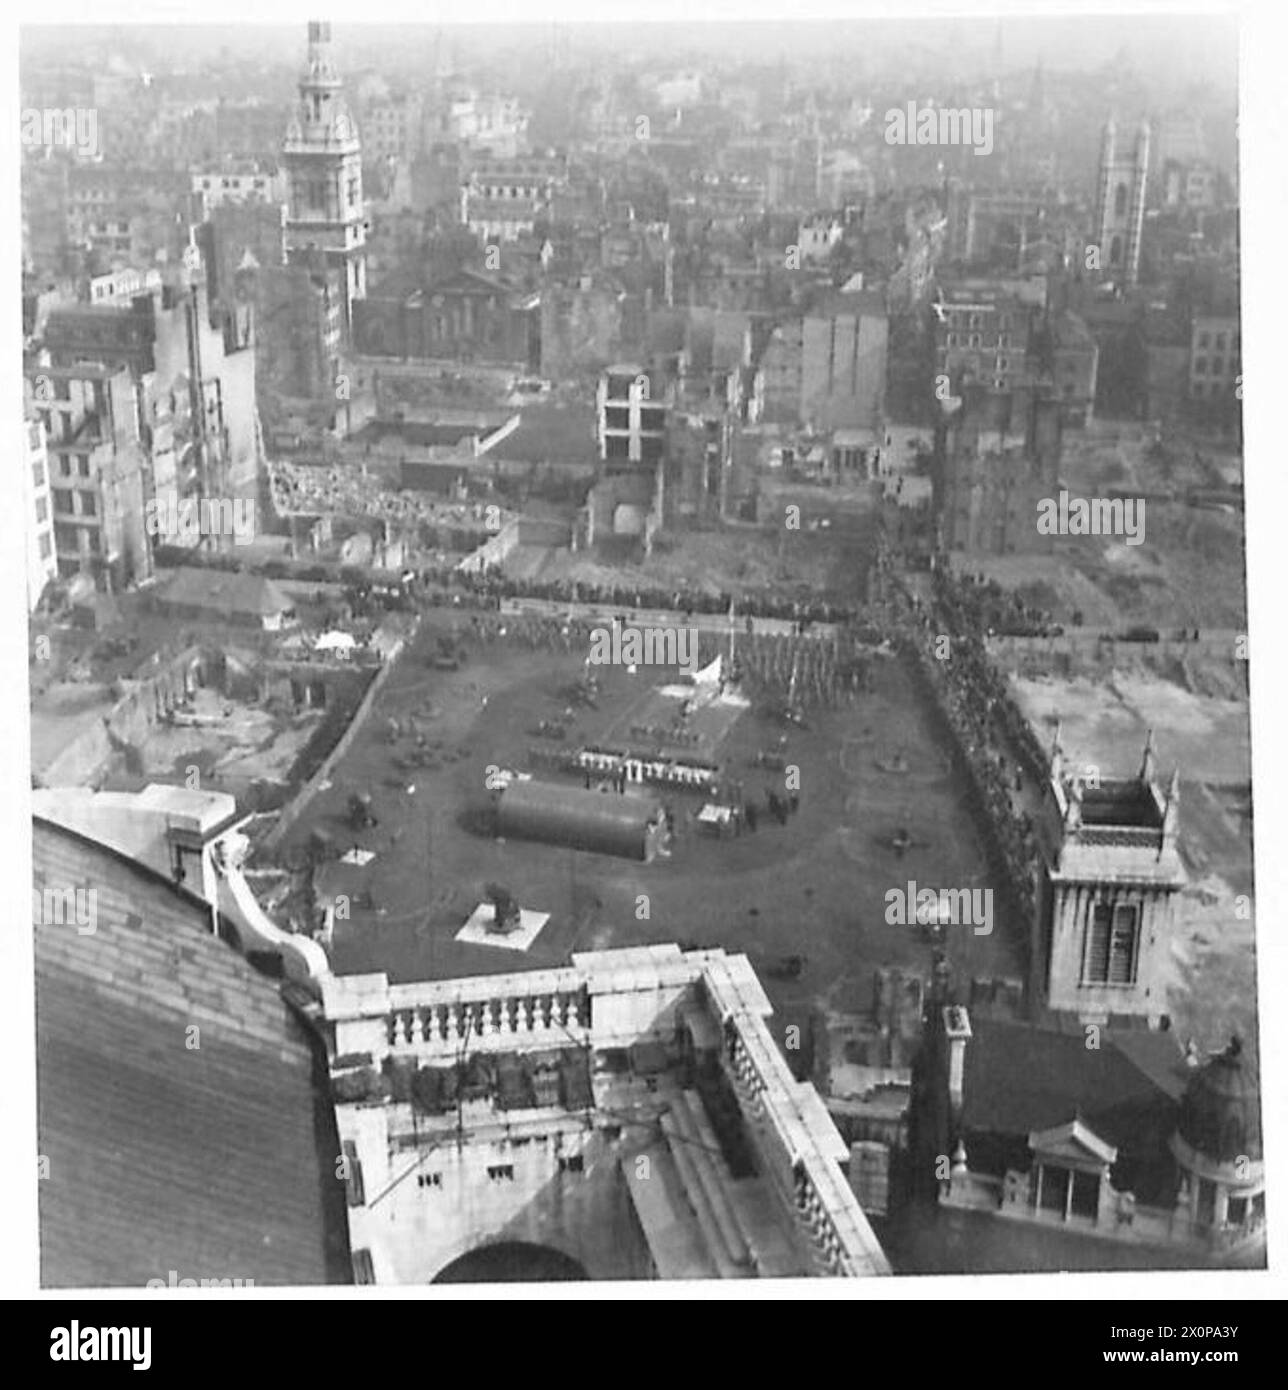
<point>1020,1078</point>
<point>550,434</point>
<point>215,1162</point>
<point>228,592</point>
<point>625,812</point>
<point>1120,803</point>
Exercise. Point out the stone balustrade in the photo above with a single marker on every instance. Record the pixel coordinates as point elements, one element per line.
<point>614,999</point>
<point>792,1131</point>
<point>506,1017</point>
<point>1124,1221</point>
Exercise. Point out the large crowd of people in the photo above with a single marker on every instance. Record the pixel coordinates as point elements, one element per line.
<point>442,580</point>
<point>490,585</point>
<point>970,604</point>
<point>995,745</point>
<point>974,603</point>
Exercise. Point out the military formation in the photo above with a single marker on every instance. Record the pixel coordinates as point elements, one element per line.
<point>804,672</point>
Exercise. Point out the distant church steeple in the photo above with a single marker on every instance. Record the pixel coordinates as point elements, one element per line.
<point>322,157</point>
<point>1120,203</point>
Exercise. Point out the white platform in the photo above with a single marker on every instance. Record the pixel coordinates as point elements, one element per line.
<point>477,929</point>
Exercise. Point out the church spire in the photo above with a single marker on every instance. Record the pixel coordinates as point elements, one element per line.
<point>322,159</point>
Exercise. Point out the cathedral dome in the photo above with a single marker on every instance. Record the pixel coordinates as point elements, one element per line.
<point>1221,1108</point>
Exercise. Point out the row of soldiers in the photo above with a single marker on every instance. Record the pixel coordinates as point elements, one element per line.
<point>810,673</point>
<point>813,673</point>
<point>560,635</point>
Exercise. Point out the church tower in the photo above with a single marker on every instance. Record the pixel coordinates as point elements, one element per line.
<point>322,157</point>
<point>1110,877</point>
<point>1120,203</point>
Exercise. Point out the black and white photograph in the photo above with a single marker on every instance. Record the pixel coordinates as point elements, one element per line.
<point>637,651</point>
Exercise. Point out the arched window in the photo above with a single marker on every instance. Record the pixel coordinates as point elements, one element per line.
<point>1120,200</point>
<point>1116,251</point>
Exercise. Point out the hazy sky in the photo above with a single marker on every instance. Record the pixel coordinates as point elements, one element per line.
<point>1180,47</point>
